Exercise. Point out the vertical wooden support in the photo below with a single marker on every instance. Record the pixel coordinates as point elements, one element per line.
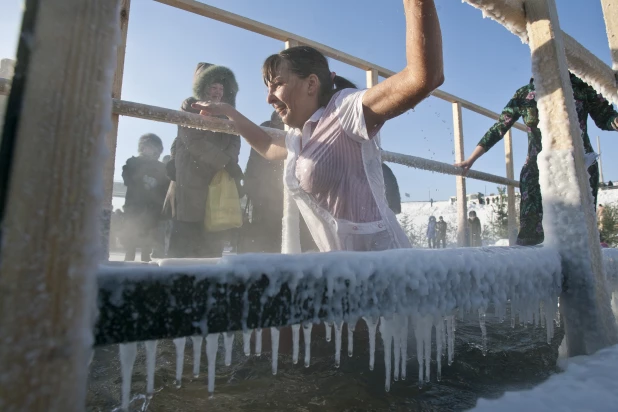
<point>510,190</point>
<point>600,160</point>
<point>569,219</point>
<point>291,215</point>
<point>462,202</point>
<point>50,242</point>
<point>610,14</point>
<point>112,136</point>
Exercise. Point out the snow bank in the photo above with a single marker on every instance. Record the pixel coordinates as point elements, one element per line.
<point>590,383</point>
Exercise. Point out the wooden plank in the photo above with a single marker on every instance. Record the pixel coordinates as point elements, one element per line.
<point>610,14</point>
<point>50,244</point>
<point>254,26</point>
<point>112,136</point>
<point>159,114</point>
<point>510,190</point>
<point>569,219</point>
<point>462,201</point>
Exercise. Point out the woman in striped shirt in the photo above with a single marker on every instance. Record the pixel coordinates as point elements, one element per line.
<point>334,169</point>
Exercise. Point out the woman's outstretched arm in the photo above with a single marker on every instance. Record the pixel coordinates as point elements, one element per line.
<point>269,147</point>
<point>422,74</point>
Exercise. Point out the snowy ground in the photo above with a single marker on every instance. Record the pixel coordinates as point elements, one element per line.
<point>590,383</point>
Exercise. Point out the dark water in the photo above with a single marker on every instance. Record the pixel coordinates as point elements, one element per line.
<point>517,359</point>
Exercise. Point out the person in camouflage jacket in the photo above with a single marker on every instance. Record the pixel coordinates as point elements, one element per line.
<point>523,104</point>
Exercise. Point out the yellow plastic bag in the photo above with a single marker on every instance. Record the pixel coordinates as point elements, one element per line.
<point>223,204</point>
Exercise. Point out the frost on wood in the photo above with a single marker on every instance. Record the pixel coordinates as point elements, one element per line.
<point>257,291</point>
<point>584,64</point>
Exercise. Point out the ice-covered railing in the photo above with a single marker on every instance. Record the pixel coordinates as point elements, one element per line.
<point>422,289</point>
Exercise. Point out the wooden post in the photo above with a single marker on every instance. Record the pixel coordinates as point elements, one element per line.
<point>291,215</point>
<point>462,203</point>
<point>569,218</point>
<point>112,136</point>
<point>50,242</point>
<point>510,190</point>
<point>610,14</point>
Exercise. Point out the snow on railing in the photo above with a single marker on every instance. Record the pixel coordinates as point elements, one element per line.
<point>591,69</point>
<point>398,288</point>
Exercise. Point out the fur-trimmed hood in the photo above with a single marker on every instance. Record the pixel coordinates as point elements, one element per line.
<point>207,74</point>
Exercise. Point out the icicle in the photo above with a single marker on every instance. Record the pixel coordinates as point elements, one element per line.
<point>258,342</point>
<point>396,346</point>
<point>228,342</point>
<point>307,337</point>
<point>351,327</point>
<point>439,345</point>
<point>151,359</point>
<point>329,330</point>
<point>482,317</point>
<point>450,333</point>
<point>128,352</point>
<point>212,345</point>
<point>542,315</point>
<point>274,339</point>
<point>246,341</point>
<point>386,330</point>
<point>403,336</point>
<point>295,342</point>
<point>338,330</point>
<point>180,359</point>
<point>372,325</point>
<point>427,326</point>
<point>197,355</point>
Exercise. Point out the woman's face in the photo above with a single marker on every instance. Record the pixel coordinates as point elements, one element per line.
<point>215,92</point>
<point>294,99</point>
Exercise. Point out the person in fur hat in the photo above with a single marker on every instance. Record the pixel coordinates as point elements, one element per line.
<point>146,181</point>
<point>197,156</point>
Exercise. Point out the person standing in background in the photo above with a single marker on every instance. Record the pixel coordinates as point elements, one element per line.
<point>441,232</point>
<point>475,230</point>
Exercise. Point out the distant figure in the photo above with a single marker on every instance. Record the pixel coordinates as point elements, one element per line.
<point>604,245</point>
<point>146,181</point>
<point>475,230</point>
<point>431,202</point>
<point>610,184</point>
<point>524,105</point>
<point>441,232</point>
<point>600,213</point>
<point>431,232</point>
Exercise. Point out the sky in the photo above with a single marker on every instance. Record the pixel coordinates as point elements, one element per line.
<point>484,63</point>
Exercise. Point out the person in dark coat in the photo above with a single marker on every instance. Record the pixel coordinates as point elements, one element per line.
<point>393,198</point>
<point>475,230</point>
<point>147,183</point>
<point>441,232</point>
<point>263,185</point>
<point>196,157</point>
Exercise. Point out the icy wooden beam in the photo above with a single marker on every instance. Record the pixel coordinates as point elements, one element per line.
<point>568,210</point>
<point>446,168</point>
<point>50,243</point>
<point>511,14</point>
<point>112,136</point>
<point>462,199</point>
<point>159,114</point>
<point>258,291</point>
<point>610,14</point>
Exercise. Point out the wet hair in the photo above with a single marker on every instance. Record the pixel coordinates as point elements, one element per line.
<point>440,217</point>
<point>304,61</point>
<point>472,213</point>
<point>150,145</point>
